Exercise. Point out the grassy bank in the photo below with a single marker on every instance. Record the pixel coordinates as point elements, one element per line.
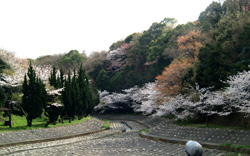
<point>20,123</point>
<point>106,124</point>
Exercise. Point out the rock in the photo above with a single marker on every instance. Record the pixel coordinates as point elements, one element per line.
<point>193,148</point>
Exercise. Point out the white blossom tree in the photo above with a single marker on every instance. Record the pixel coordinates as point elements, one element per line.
<point>13,77</point>
<point>179,106</point>
<point>234,98</point>
<point>207,103</point>
<point>145,99</point>
<point>114,101</point>
<point>139,99</point>
<point>43,72</point>
<point>238,93</point>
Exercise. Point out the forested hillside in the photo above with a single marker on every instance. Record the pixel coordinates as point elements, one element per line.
<point>205,51</point>
<point>197,69</point>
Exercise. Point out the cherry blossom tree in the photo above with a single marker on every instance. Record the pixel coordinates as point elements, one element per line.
<point>43,72</point>
<point>199,102</point>
<point>146,99</point>
<point>13,77</point>
<point>234,98</point>
<point>113,102</point>
<point>142,100</point>
<point>238,93</point>
<point>207,103</point>
<point>179,106</point>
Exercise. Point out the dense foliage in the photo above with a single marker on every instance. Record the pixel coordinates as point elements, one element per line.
<point>200,68</point>
<point>72,58</point>
<point>218,43</point>
<point>3,65</point>
<point>67,61</point>
<point>34,95</point>
<point>2,96</point>
<point>77,95</point>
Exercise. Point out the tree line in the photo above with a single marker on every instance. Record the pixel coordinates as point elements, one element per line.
<point>75,98</point>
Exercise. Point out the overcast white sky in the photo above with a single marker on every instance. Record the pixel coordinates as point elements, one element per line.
<point>33,28</point>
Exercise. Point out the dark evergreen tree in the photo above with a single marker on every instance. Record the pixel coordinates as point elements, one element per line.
<point>89,106</point>
<point>3,65</point>
<point>61,80</point>
<point>75,96</point>
<point>209,18</point>
<point>86,93</point>
<point>52,112</point>
<point>52,78</point>
<point>102,80</point>
<point>66,98</point>
<point>34,96</point>
<point>81,85</point>
<point>212,68</point>
<point>2,96</point>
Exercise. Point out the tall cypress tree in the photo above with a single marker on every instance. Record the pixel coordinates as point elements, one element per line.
<point>74,95</point>
<point>2,96</point>
<point>61,80</point>
<point>102,82</point>
<point>82,86</point>
<point>34,96</point>
<point>77,95</point>
<point>66,97</point>
<point>86,93</point>
<point>52,78</point>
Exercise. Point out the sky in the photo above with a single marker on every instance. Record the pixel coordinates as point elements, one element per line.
<point>33,28</point>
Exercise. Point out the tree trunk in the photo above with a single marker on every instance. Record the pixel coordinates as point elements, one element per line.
<point>47,124</point>
<point>245,121</point>
<point>207,121</point>
<point>29,122</point>
<point>10,120</point>
<point>80,117</point>
<point>62,119</point>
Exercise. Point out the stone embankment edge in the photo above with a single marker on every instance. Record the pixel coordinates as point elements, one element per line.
<point>130,120</point>
<point>183,142</point>
<point>53,139</point>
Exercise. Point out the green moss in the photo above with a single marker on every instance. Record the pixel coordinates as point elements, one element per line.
<point>157,139</point>
<point>106,124</point>
<point>237,148</point>
<point>144,130</point>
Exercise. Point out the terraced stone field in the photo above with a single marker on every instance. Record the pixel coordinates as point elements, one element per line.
<point>113,142</point>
